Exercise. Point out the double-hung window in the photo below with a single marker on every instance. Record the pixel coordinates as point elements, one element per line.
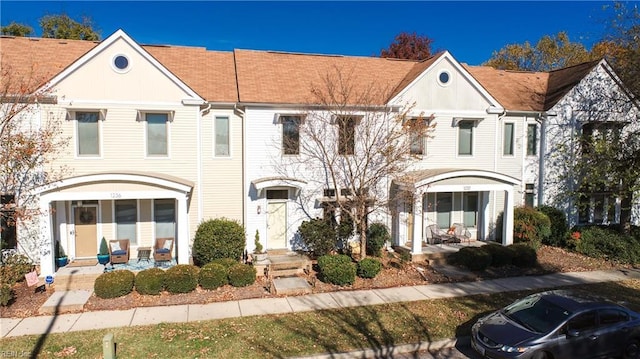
<point>508,138</point>
<point>157,134</point>
<point>164,216</point>
<point>415,129</point>
<point>88,132</point>
<point>221,137</point>
<point>346,135</point>
<point>126,217</point>
<point>291,134</point>
<point>532,139</point>
<point>465,137</point>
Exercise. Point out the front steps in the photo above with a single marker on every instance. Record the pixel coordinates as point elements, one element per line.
<point>283,272</point>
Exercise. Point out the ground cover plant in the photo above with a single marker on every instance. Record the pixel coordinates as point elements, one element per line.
<point>301,334</point>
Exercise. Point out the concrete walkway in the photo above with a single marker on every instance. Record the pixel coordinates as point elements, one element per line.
<point>11,327</point>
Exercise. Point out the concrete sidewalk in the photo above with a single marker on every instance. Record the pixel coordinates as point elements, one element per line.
<point>11,327</point>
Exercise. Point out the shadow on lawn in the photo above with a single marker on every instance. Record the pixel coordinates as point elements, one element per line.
<point>56,313</point>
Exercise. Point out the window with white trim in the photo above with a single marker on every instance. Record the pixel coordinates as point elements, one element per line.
<point>470,208</point>
<point>221,137</point>
<point>164,216</point>
<point>529,195</point>
<point>532,139</point>
<point>508,138</point>
<point>465,137</point>
<point>291,134</point>
<point>157,134</point>
<point>346,135</point>
<point>126,217</point>
<point>88,133</point>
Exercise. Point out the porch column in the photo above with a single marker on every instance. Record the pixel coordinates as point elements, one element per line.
<point>416,243</point>
<point>507,219</point>
<point>183,231</point>
<point>47,246</point>
<point>484,210</point>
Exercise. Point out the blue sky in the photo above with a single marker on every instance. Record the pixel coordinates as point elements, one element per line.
<point>471,31</point>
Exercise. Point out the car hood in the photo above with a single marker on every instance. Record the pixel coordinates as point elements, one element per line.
<point>501,330</point>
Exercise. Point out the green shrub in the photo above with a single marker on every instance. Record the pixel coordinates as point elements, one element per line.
<point>213,275</point>
<point>530,226</point>
<point>377,236</point>
<point>218,238</point>
<point>14,267</point>
<point>608,244</point>
<point>242,275</point>
<point>150,281</point>
<point>114,284</point>
<point>559,228</point>
<point>318,236</point>
<point>182,278</point>
<point>6,294</point>
<point>500,255</point>
<point>369,268</point>
<point>226,262</point>
<point>337,269</point>
<point>524,256</point>
<point>474,258</point>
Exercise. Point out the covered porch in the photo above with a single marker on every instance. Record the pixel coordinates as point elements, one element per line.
<point>443,197</point>
<point>78,212</point>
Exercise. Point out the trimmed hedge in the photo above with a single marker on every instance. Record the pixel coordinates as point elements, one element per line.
<point>182,278</point>
<point>559,228</point>
<point>6,294</point>
<point>150,281</point>
<point>242,275</point>
<point>524,256</point>
<point>226,262</point>
<point>318,236</point>
<point>114,284</point>
<point>337,269</point>
<point>377,236</point>
<point>609,244</point>
<point>14,267</point>
<point>213,275</point>
<point>530,226</point>
<point>218,238</point>
<point>500,255</point>
<point>474,258</point>
<point>369,268</point>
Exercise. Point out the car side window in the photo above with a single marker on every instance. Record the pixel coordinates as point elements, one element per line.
<point>582,322</point>
<point>612,316</point>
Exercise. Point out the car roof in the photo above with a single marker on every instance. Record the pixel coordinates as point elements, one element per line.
<point>576,301</point>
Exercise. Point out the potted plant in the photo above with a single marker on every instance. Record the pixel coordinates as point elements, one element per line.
<point>258,252</point>
<point>61,256</point>
<point>103,255</point>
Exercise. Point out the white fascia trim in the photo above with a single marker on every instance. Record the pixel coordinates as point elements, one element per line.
<point>106,177</point>
<point>468,173</point>
<point>107,195</point>
<point>104,44</point>
<point>457,66</point>
<point>193,102</point>
<point>109,103</point>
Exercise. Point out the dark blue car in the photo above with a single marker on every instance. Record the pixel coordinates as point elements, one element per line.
<point>558,325</point>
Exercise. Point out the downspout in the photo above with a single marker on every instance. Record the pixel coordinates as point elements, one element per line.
<point>544,116</point>
<point>199,158</point>
<point>242,116</point>
<point>495,169</point>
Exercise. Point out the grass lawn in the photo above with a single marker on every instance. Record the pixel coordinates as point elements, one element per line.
<point>287,335</point>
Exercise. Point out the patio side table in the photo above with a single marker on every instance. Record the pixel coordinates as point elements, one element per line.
<point>144,253</point>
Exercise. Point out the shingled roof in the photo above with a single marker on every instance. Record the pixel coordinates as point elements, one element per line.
<point>270,77</point>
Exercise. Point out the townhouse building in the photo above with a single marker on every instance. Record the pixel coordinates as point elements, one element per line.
<point>164,137</point>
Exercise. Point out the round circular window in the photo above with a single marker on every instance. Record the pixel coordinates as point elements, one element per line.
<point>444,78</point>
<point>121,63</point>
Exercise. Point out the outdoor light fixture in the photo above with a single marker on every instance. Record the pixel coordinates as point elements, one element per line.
<point>259,209</point>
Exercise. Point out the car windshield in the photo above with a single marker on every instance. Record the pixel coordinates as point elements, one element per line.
<point>536,314</point>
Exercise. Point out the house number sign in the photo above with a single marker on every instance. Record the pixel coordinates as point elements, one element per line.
<point>116,195</point>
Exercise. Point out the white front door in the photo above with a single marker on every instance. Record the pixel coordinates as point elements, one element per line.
<point>276,225</point>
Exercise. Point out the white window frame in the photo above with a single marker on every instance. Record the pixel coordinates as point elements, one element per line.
<point>72,115</point>
<point>214,143</point>
<point>142,117</point>
<point>474,124</point>
<point>281,119</point>
<point>134,241</point>
<point>535,137</point>
<point>513,139</point>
